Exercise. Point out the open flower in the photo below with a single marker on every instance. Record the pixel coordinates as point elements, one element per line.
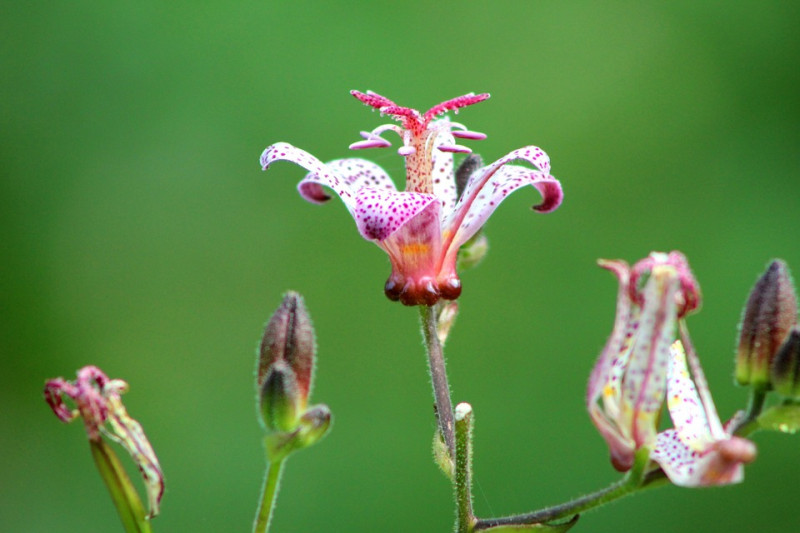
<point>699,451</point>
<point>423,227</point>
<point>630,376</point>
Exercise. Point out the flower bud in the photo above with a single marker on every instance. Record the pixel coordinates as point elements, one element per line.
<point>285,365</point>
<point>769,314</point>
<point>785,370</point>
<point>314,425</point>
<point>280,398</point>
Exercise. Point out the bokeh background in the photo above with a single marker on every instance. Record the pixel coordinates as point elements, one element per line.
<point>140,235</point>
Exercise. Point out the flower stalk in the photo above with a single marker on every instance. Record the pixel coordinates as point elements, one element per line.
<point>269,494</point>
<point>438,371</point>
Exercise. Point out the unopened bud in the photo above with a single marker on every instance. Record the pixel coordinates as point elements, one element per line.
<point>280,399</point>
<point>769,314</point>
<point>473,251</point>
<point>470,164</point>
<point>314,425</point>
<point>786,366</point>
<point>285,365</point>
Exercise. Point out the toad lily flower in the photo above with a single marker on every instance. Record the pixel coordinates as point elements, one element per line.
<point>699,451</point>
<point>631,373</point>
<point>423,227</point>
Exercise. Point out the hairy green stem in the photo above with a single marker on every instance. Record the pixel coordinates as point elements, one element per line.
<point>269,494</point>
<point>123,494</point>
<point>637,478</point>
<point>463,474</point>
<point>441,389</point>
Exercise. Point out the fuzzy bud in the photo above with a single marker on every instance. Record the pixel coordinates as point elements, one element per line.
<point>285,365</point>
<point>769,314</point>
<point>785,370</point>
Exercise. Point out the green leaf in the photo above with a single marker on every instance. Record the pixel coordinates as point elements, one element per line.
<point>783,418</point>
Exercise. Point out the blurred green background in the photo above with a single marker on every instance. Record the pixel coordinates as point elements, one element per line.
<point>140,235</point>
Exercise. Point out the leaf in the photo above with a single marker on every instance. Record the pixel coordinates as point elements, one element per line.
<point>783,418</point>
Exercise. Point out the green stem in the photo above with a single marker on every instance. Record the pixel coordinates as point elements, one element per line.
<point>441,389</point>
<point>123,494</point>
<point>269,494</point>
<point>463,475</point>
<point>636,479</point>
<point>749,423</point>
<point>549,514</point>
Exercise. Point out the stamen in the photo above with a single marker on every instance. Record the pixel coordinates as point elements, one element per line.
<point>466,134</point>
<point>454,148</point>
<point>376,142</point>
<point>406,150</point>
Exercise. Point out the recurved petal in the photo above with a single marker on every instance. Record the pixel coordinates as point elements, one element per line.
<point>380,213</point>
<point>719,464</point>
<point>318,174</point>
<point>489,186</point>
<point>360,173</point>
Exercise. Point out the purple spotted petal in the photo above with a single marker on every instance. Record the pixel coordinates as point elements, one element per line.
<point>719,464</point>
<point>379,213</point>
<point>489,186</point>
<point>442,175</point>
<point>646,379</point>
<point>319,174</point>
<point>601,369</point>
<point>360,173</point>
<point>684,404</point>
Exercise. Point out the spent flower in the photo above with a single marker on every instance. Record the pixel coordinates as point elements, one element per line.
<point>422,227</point>
<point>98,402</point>
<point>627,385</point>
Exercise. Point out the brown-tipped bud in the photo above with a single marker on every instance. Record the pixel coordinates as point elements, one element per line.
<point>786,366</point>
<point>769,314</point>
<point>469,165</point>
<point>279,399</point>
<point>289,338</point>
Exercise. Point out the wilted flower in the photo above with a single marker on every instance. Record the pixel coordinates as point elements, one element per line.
<point>631,373</point>
<point>769,314</point>
<point>423,227</point>
<point>97,400</point>
<point>699,451</point>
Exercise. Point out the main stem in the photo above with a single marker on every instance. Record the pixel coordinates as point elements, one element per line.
<point>268,495</point>
<point>441,389</point>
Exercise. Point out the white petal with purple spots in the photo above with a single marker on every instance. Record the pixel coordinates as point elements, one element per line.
<point>379,213</point>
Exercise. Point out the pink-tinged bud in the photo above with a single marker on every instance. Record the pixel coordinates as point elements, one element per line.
<point>289,344</point>
<point>786,366</point>
<point>769,314</point>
